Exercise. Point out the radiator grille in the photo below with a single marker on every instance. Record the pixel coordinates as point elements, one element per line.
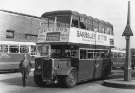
<point>47,69</point>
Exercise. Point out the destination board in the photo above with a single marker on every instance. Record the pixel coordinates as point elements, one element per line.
<point>53,36</point>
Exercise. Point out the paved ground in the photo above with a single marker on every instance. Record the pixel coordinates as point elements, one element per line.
<point>11,83</point>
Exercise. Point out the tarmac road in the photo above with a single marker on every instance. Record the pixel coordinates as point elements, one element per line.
<point>11,83</point>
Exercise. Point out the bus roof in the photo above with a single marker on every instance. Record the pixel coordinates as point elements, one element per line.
<point>70,12</point>
<point>60,12</point>
<point>17,43</point>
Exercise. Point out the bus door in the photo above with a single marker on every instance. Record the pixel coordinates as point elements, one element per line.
<point>86,65</point>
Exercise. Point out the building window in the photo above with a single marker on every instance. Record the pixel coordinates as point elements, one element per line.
<point>9,34</point>
<point>30,37</point>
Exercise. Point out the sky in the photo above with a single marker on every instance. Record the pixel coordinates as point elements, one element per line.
<point>113,11</point>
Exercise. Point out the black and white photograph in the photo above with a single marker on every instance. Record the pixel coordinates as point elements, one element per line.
<point>67,46</point>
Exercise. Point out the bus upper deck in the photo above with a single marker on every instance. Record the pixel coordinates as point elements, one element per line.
<point>70,26</point>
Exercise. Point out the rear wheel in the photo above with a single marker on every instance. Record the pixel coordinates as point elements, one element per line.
<point>71,79</point>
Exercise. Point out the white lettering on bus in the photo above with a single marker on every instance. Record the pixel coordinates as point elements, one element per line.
<point>102,37</point>
<point>86,35</point>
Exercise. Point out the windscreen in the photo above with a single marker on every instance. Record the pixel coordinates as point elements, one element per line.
<point>61,51</point>
<point>43,50</point>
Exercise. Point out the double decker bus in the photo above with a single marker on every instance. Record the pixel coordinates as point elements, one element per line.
<point>72,48</point>
<point>11,53</point>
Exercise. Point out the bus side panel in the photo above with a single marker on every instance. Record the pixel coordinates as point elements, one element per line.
<point>98,69</point>
<point>106,68</point>
<point>11,61</point>
<point>86,70</point>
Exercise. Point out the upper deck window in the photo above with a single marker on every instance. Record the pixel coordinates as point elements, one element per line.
<point>101,28</point>
<point>89,24</point>
<point>57,22</point>
<point>75,21</point>
<point>95,26</point>
<point>108,29</point>
<point>82,23</point>
<point>111,31</point>
<point>51,22</point>
<point>63,19</point>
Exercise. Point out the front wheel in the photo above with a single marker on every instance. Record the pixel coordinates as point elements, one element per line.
<point>71,79</point>
<point>38,80</point>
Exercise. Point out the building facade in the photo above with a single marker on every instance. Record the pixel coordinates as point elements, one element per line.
<point>18,27</point>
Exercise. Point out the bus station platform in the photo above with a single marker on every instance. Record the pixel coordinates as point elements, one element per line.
<point>120,83</point>
<point>117,81</point>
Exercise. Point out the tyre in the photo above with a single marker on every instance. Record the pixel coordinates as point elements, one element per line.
<point>70,80</point>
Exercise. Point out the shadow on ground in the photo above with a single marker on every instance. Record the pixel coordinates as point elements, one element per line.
<point>18,81</point>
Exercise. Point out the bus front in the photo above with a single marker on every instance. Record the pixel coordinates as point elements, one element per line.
<point>56,56</point>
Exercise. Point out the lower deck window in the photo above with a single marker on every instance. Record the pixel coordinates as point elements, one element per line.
<point>90,55</point>
<point>13,49</point>
<point>93,54</point>
<point>24,49</point>
<point>4,48</point>
<point>82,54</point>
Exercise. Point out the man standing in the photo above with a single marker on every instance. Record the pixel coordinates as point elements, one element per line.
<point>25,67</point>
